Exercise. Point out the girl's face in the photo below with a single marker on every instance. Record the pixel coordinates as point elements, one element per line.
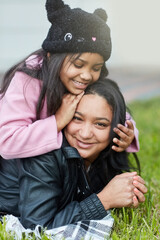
<point>77,74</point>
<point>90,127</point>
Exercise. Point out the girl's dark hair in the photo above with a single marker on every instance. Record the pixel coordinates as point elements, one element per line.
<point>52,87</point>
<point>110,161</point>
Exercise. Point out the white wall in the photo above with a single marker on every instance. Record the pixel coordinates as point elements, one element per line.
<point>135,32</point>
<point>23,25</point>
<point>134,29</point>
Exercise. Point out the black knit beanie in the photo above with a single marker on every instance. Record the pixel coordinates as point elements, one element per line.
<point>76,31</point>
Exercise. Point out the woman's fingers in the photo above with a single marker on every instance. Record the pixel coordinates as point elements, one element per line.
<point>135,202</point>
<point>139,195</point>
<point>140,186</point>
<point>139,179</point>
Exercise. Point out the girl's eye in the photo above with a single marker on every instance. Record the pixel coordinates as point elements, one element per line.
<point>97,69</point>
<point>78,66</point>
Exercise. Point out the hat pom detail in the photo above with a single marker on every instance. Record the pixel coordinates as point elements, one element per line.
<point>52,6</point>
<point>101,13</point>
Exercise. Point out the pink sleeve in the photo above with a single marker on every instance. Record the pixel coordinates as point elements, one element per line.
<point>134,146</point>
<point>21,135</point>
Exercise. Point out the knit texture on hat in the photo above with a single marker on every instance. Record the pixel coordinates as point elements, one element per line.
<point>76,31</point>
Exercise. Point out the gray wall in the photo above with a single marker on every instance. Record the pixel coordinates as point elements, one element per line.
<point>134,27</point>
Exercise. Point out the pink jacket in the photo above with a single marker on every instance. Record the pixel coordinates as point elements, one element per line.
<point>21,135</point>
<point>134,146</point>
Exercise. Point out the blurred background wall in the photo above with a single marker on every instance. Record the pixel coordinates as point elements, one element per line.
<point>134,27</point>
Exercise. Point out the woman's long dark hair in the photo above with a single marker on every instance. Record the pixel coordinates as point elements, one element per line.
<point>48,73</point>
<point>109,161</point>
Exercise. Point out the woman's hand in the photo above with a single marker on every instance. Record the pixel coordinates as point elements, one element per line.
<point>124,190</point>
<point>126,135</point>
<point>67,109</point>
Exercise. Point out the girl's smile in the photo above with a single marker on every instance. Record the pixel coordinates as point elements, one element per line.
<point>80,85</point>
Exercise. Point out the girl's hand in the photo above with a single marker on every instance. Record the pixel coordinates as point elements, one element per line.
<point>126,135</point>
<point>67,109</point>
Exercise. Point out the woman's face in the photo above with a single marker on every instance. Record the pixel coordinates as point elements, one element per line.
<point>77,73</point>
<point>90,127</point>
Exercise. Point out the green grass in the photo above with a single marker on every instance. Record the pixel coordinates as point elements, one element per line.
<point>142,223</point>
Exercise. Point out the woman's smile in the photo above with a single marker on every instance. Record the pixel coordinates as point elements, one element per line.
<point>84,145</point>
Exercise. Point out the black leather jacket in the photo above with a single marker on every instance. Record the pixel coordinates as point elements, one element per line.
<point>50,190</point>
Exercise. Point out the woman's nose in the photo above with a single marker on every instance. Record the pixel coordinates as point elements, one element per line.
<point>86,131</point>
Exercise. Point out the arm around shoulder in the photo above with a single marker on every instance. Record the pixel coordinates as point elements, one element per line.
<point>21,135</point>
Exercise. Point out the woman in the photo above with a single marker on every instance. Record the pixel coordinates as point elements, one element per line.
<point>83,179</point>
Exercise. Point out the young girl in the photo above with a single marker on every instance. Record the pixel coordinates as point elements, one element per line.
<point>40,94</point>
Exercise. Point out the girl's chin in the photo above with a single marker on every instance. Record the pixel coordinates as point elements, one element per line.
<point>76,91</point>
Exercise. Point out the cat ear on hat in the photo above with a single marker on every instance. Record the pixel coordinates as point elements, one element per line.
<point>100,12</point>
<point>52,6</point>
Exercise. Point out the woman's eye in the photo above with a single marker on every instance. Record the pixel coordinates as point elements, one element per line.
<point>77,118</point>
<point>101,124</point>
